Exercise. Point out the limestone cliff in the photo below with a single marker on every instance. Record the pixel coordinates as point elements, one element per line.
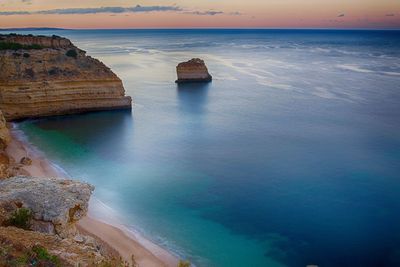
<point>5,139</point>
<point>44,76</point>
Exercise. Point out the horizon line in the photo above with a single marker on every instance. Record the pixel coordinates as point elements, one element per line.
<point>197,28</point>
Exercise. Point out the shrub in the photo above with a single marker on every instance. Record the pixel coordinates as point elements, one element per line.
<point>72,53</point>
<point>21,218</point>
<point>26,55</point>
<point>17,46</point>
<point>184,264</point>
<point>16,254</point>
<point>43,254</point>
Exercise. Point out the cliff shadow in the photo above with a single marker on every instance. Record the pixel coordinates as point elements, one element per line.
<point>101,132</point>
<point>193,97</point>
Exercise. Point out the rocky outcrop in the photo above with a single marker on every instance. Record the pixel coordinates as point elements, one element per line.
<point>56,204</point>
<point>26,161</point>
<point>31,40</point>
<point>5,138</point>
<point>17,245</point>
<point>194,70</point>
<point>54,78</point>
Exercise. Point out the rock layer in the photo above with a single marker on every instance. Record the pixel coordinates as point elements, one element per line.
<point>194,70</point>
<point>44,41</point>
<point>55,79</point>
<point>56,204</point>
<point>5,138</point>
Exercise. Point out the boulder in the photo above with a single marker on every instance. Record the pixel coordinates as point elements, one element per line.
<point>56,204</point>
<point>194,70</point>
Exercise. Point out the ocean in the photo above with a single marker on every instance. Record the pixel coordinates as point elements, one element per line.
<point>290,157</point>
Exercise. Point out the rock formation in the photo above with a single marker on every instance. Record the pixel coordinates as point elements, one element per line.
<point>26,161</point>
<point>43,41</point>
<point>16,244</point>
<point>5,139</point>
<point>44,76</point>
<point>194,70</point>
<point>55,204</point>
<point>5,136</point>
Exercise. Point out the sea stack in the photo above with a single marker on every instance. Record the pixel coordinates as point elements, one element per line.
<point>194,70</point>
<point>49,75</point>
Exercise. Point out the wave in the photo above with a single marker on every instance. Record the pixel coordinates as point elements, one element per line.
<point>359,69</point>
<point>354,68</point>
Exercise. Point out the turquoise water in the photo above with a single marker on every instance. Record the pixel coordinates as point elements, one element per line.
<point>291,156</point>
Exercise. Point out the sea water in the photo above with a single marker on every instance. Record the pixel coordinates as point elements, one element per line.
<point>291,156</point>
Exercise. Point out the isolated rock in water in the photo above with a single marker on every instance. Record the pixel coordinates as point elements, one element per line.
<point>194,70</point>
<point>52,201</point>
<point>26,161</point>
<point>46,76</point>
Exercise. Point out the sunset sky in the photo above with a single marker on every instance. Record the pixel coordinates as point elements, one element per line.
<point>201,13</point>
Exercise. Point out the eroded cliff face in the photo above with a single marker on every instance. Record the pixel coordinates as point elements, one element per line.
<point>5,138</point>
<point>44,41</point>
<point>55,78</point>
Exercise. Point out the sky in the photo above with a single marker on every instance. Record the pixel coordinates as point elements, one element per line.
<point>104,14</point>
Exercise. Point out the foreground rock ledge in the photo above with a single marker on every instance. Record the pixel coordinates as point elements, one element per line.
<point>194,70</point>
<point>45,76</point>
<point>56,204</point>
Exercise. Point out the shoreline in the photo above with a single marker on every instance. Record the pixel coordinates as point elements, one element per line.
<point>115,235</point>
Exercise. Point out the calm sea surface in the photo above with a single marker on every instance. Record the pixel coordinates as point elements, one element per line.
<point>291,156</point>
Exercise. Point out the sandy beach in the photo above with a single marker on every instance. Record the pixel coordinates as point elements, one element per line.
<point>119,238</point>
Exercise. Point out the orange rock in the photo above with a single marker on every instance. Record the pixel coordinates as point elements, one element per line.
<point>54,81</point>
<point>194,70</point>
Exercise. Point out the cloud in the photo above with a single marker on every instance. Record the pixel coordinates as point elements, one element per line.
<point>205,13</point>
<point>83,10</point>
<point>7,13</point>
<point>341,15</point>
<point>136,9</point>
<point>118,10</point>
<point>390,15</point>
<point>68,11</point>
<point>140,8</point>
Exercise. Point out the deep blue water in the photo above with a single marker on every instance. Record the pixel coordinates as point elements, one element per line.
<point>291,156</point>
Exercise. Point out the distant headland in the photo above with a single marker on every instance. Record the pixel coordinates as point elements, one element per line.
<point>72,81</point>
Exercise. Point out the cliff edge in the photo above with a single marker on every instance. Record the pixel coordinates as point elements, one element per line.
<point>44,76</point>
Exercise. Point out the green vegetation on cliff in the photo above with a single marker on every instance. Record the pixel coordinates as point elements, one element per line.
<point>17,46</point>
<point>20,218</point>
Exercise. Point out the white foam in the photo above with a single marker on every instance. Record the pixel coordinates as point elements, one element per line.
<point>354,68</point>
